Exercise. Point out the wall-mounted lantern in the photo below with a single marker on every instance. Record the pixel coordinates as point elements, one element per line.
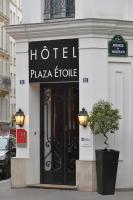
<point>83,117</point>
<point>19,118</point>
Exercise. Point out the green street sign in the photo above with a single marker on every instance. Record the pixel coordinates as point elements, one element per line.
<point>118,46</point>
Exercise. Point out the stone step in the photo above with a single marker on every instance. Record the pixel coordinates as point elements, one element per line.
<point>51,186</point>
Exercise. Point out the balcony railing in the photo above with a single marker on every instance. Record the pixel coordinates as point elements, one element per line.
<point>5,84</point>
<point>56,9</point>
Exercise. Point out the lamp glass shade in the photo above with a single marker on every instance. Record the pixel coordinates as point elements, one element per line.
<point>83,117</point>
<point>19,118</point>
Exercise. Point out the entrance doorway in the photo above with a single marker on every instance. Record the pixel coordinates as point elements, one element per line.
<point>59,133</point>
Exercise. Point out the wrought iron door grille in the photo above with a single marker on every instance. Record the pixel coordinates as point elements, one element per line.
<point>55,9</point>
<point>59,134</point>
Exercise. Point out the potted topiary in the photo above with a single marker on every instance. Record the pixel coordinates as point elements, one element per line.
<point>104,120</point>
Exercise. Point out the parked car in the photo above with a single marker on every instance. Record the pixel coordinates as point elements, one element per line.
<point>7,150</point>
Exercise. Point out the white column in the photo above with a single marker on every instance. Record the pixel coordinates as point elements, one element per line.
<point>95,69</point>
<point>22,92</point>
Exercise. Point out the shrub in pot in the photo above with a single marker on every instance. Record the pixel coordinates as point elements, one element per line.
<point>104,120</point>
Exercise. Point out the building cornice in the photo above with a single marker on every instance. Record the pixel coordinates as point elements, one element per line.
<point>72,28</point>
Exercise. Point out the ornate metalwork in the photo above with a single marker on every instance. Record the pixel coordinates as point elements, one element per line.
<point>60,139</point>
<point>73,152</point>
<point>59,9</point>
<point>52,159</point>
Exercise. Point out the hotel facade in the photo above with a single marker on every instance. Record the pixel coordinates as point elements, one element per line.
<point>69,55</point>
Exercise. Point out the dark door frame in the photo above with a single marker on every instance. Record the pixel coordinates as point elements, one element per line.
<point>42,86</point>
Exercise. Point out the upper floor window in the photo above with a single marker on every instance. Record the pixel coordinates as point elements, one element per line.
<point>55,9</point>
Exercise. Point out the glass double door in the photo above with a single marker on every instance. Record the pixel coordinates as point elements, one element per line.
<point>59,133</point>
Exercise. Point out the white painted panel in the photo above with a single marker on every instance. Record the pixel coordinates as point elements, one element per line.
<point>22,96</point>
<point>107,9</point>
<point>120,96</point>
<point>33,163</point>
<point>94,68</point>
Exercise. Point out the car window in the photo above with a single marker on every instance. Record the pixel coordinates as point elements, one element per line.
<point>3,144</point>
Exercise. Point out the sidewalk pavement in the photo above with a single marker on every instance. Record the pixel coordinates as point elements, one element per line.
<point>6,193</point>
